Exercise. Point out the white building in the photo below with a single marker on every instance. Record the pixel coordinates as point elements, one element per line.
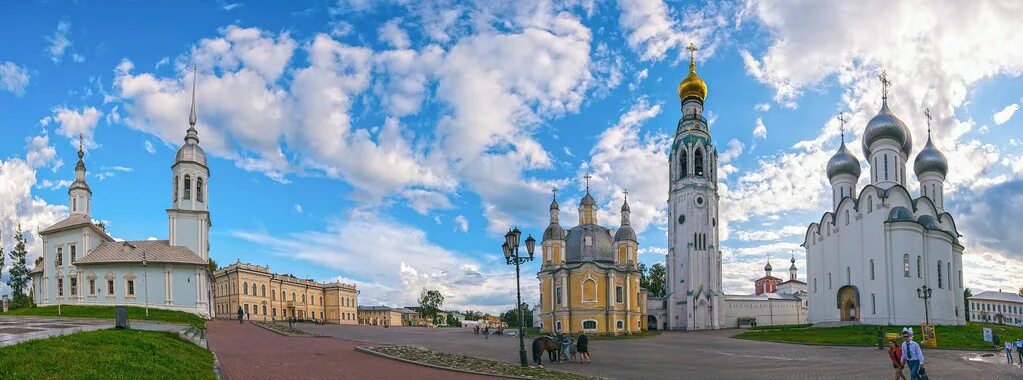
<point>695,300</point>
<point>868,256</point>
<point>83,265</point>
<point>782,304</point>
<point>997,307</point>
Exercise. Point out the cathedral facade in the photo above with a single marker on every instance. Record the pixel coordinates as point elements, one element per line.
<point>83,265</point>
<point>589,281</point>
<point>695,299</point>
<point>869,256</point>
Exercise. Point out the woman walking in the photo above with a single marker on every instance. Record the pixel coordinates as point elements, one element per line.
<point>582,345</point>
<point>565,343</point>
<point>895,355</point>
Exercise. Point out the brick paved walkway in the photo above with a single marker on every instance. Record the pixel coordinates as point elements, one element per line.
<point>246,351</point>
<point>693,355</point>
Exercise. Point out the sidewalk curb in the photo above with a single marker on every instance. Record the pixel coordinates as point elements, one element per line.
<point>368,350</point>
<point>286,334</point>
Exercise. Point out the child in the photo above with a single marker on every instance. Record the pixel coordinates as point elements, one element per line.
<point>572,349</point>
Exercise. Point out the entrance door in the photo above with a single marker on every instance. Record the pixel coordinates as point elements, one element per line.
<point>848,303</point>
<point>651,322</point>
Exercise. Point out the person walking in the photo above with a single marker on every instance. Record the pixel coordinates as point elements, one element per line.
<point>582,345</point>
<point>241,314</point>
<point>1019,351</point>
<point>565,343</point>
<point>486,332</point>
<point>895,355</point>
<point>571,349</point>
<point>1008,352</point>
<point>911,354</point>
<point>248,317</point>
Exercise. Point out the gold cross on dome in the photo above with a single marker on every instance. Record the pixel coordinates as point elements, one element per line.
<point>885,83</point>
<point>692,51</point>
<point>841,124</point>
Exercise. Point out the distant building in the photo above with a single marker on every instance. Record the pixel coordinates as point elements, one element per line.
<point>768,283</point>
<point>775,302</point>
<point>269,296</point>
<point>381,316</point>
<point>997,307</point>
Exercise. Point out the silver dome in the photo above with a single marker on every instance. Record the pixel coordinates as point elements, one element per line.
<point>554,232</point>
<point>599,249</point>
<point>626,233</point>
<point>588,200</point>
<point>554,204</point>
<point>191,153</point>
<point>768,266</point>
<point>930,159</point>
<point>843,162</point>
<point>886,125</point>
<point>900,214</point>
<point>929,222</point>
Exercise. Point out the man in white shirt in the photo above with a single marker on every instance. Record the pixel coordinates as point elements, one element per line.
<point>911,354</point>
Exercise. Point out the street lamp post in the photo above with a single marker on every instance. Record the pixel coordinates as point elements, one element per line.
<point>511,257</point>
<point>925,293</point>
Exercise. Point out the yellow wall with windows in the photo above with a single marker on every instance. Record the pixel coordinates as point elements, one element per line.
<point>269,297</point>
<point>587,295</point>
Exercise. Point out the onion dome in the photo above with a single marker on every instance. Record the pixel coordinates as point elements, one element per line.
<point>692,85</point>
<point>930,159</point>
<point>625,233</point>
<point>554,232</point>
<point>768,266</point>
<point>843,162</point>
<point>900,214</point>
<point>886,125</point>
<point>588,200</point>
<point>79,182</point>
<point>554,204</point>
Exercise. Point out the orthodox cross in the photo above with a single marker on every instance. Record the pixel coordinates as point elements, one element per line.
<point>587,177</point>
<point>555,191</point>
<point>692,50</point>
<point>81,139</point>
<point>626,192</point>
<point>885,83</point>
<point>927,112</point>
<point>841,124</point>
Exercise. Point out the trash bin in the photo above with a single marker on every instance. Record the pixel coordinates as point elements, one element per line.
<point>122,318</point>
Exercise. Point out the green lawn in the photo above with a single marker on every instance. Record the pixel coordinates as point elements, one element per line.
<point>108,312</point>
<point>969,337</point>
<point>107,354</point>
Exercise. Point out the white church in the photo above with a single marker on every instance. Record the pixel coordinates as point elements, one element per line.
<point>83,265</point>
<point>871,257</point>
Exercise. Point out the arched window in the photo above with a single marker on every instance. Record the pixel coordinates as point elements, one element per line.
<point>245,285</point>
<point>870,204</point>
<point>273,294</point>
<point>303,297</point>
<point>940,283</point>
<point>829,280</point>
<point>683,162</point>
<point>848,275</point>
<point>292,296</point>
<point>254,289</point>
<point>886,167</point>
<point>949,272</point>
<point>262,290</point>
<point>847,217</point>
<point>175,188</point>
<point>188,187</point>
<point>871,269</point>
<point>198,189</point>
<point>589,290</point>
<point>698,163</point>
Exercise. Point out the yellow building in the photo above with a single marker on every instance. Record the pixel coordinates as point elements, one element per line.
<point>588,279</point>
<point>381,316</point>
<point>269,296</point>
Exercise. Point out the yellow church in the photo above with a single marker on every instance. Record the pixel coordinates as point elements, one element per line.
<point>589,281</point>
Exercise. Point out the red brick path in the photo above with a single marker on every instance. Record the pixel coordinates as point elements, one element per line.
<point>246,352</point>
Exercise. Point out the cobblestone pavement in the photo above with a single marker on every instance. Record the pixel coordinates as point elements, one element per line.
<point>246,351</point>
<point>14,330</point>
<point>693,355</point>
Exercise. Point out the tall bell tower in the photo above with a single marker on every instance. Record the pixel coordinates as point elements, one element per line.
<point>695,299</point>
<point>189,215</point>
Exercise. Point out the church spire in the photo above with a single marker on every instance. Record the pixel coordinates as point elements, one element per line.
<point>626,211</point>
<point>792,268</point>
<point>588,205</point>
<point>192,136</point>
<point>80,196</point>
<point>554,205</point>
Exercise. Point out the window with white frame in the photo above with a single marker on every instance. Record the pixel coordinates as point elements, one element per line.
<point>588,324</point>
<point>110,287</point>
<point>619,324</point>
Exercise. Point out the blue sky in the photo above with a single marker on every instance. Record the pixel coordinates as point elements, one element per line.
<point>392,143</point>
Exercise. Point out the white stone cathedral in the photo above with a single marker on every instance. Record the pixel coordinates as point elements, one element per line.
<point>694,297</point>
<point>83,265</point>
<point>871,257</point>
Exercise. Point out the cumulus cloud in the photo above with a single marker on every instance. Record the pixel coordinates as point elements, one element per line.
<point>19,206</point>
<point>462,223</point>
<point>392,34</point>
<point>770,234</point>
<point>760,130</point>
<point>1005,114</point>
<point>403,262</point>
<point>76,122</point>
<point>39,152</point>
<point>59,41</point>
<point>13,78</point>
<point>652,30</point>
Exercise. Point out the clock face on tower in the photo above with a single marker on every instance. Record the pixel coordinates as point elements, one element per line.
<point>699,201</point>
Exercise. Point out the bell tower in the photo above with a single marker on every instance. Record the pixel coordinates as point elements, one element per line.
<point>695,299</point>
<point>189,216</point>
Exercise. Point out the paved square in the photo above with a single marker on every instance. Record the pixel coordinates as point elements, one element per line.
<point>691,355</point>
<point>15,330</point>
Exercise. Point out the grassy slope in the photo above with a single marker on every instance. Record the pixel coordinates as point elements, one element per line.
<point>956,337</point>
<point>107,354</point>
<point>108,312</point>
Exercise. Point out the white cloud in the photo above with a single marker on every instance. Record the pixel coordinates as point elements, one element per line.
<point>393,35</point>
<point>403,262</point>
<point>298,208</point>
<point>772,234</point>
<point>75,122</point>
<point>148,146</point>
<point>622,146</point>
<point>1005,114</point>
<point>59,42</point>
<point>462,223</point>
<point>39,152</point>
<point>18,206</point>
<point>762,107</point>
<point>13,79</point>
<point>760,130</point>
<point>652,31</point>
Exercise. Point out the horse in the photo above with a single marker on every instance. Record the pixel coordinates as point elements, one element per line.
<point>545,343</point>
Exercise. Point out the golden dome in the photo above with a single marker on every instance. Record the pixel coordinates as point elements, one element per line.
<point>692,85</point>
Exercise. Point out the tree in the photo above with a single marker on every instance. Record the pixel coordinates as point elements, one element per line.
<point>472,315</point>
<point>966,302</point>
<point>511,317</point>
<point>653,280</point>
<point>19,270</point>
<point>1020,289</point>
<point>213,265</point>
<point>430,302</point>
